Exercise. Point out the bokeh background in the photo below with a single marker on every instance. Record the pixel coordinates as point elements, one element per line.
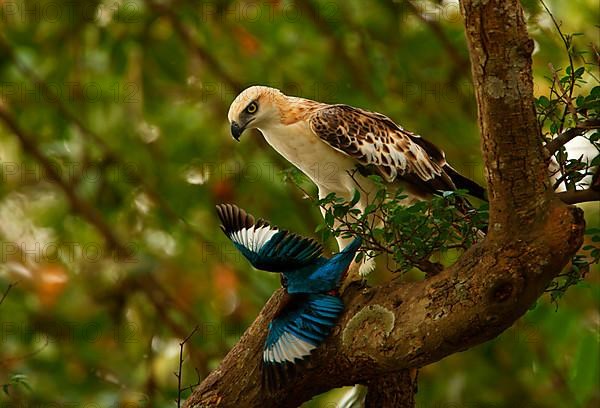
<point>125,102</point>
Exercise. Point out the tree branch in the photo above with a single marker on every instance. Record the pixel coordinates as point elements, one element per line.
<point>596,180</point>
<point>570,134</point>
<point>579,196</point>
<point>507,120</point>
<point>398,326</point>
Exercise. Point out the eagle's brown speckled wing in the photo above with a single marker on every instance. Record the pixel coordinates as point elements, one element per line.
<point>375,141</point>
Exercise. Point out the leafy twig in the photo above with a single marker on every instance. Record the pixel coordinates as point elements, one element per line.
<point>567,42</point>
<point>411,234</point>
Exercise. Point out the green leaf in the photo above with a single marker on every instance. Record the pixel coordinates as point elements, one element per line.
<point>355,198</point>
<point>329,219</point>
<point>377,179</point>
<point>369,209</point>
<point>543,101</point>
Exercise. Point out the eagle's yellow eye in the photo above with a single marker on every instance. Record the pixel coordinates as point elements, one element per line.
<point>252,108</point>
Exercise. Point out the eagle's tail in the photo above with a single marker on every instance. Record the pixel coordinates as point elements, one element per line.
<point>463,183</point>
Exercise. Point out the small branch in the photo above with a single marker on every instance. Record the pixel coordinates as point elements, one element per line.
<point>566,95</point>
<point>596,180</point>
<point>178,374</point>
<point>430,268</point>
<point>568,135</point>
<point>579,196</point>
<point>10,286</point>
<point>567,42</point>
<point>10,361</point>
<point>198,382</point>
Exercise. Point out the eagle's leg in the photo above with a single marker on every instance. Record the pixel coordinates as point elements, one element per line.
<point>357,271</point>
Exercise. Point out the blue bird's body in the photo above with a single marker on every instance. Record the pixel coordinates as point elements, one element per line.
<point>323,274</point>
<point>309,278</point>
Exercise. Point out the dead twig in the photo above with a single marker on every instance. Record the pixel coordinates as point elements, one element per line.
<point>178,373</point>
<point>5,294</point>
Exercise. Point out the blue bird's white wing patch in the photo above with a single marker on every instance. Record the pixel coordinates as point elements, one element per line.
<point>298,330</point>
<point>265,246</point>
<point>253,238</point>
<point>287,348</point>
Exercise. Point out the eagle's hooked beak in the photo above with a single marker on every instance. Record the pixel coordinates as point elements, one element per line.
<point>236,131</point>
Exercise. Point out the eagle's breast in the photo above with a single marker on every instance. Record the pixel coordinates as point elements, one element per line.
<point>326,167</point>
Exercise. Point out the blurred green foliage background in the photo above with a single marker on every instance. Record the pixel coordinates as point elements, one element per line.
<point>126,101</point>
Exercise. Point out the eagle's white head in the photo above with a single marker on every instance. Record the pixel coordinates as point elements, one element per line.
<point>255,107</point>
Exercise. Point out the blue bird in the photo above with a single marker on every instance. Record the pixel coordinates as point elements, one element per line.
<point>309,278</point>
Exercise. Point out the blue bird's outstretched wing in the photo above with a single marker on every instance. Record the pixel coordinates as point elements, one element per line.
<point>326,276</point>
<point>265,246</point>
<point>298,330</point>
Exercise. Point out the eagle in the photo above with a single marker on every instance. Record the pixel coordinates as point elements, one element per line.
<point>338,146</point>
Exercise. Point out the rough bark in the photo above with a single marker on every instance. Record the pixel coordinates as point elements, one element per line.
<point>389,329</point>
<point>392,390</point>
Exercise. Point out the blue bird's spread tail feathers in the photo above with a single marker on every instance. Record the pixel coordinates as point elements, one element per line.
<point>298,330</point>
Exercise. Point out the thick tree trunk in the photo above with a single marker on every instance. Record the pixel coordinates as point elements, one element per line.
<point>395,327</point>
